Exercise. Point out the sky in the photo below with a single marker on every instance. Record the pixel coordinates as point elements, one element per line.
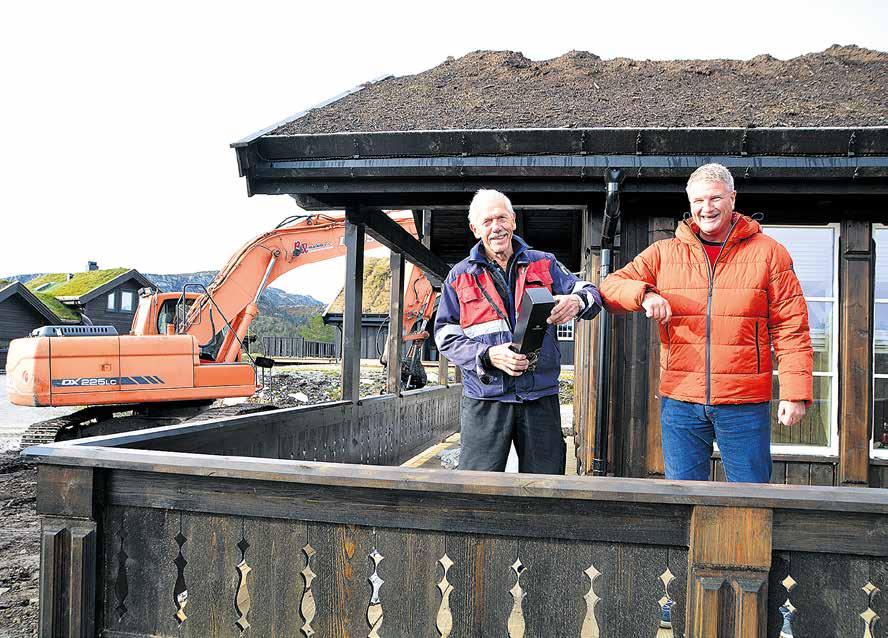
<point>116,117</point>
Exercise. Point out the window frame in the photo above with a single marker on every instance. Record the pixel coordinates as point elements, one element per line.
<point>559,327</point>
<point>831,450</point>
<point>111,301</point>
<point>132,299</point>
<point>876,453</point>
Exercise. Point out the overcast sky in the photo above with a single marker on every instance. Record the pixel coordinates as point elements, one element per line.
<point>117,116</point>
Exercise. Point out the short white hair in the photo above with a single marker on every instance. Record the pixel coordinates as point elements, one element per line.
<point>712,173</point>
<point>484,198</point>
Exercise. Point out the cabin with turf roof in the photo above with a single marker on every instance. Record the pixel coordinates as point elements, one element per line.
<point>22,311</point>
<point>108,297</point>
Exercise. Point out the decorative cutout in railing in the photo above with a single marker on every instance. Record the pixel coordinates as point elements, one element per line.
<point>121,586</point>
<point>374,610</point>
<point>444,621</point>
<point>307,607</point>
<point>180,589</point>
<point>665,628</point>
<point>590,624</point>
<point>516,618</point>
<point>870,617</point>
<point>787,609</point>
<point>242,599</point>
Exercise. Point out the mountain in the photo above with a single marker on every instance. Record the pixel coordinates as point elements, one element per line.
<point>272,297</point>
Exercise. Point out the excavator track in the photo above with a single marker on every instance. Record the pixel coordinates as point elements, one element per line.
<point>113,419</point>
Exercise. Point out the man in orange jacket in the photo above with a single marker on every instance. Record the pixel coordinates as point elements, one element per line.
<point>723,294</point>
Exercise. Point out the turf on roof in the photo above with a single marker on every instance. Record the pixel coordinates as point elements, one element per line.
<point>61,310</point>
<point>841,86</point>
<point>377,288</point>
<point>80,284</point>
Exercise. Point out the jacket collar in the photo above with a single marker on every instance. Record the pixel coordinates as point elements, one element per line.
<point>743,228</point>
<point>478,255</point>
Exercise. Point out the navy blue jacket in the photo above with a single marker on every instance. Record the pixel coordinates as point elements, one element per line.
<point>473,316</point>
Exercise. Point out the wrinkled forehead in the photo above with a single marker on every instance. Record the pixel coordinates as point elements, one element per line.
<point>495,208</point>
<point>703,186</point>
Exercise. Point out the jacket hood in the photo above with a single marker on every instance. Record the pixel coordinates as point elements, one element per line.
<point>743,228</point>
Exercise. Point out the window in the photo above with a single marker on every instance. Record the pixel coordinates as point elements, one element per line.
<point>565,331</point>
<point>814,252</point>
<point>126,301</point>
<point>880,345</point>
<point>110,305</point>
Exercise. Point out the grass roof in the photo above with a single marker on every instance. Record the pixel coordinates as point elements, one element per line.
<point>80,284</point>
<point>377,288</point>
<point>61,310</point>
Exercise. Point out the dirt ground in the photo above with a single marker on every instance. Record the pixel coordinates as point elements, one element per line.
<point>19,547</point>
<point>841,86</point>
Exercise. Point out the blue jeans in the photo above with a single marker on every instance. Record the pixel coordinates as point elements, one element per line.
<point>743,433</point>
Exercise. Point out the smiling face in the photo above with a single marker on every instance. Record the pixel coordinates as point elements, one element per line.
<point>494,225</point>
<point>712,207</point>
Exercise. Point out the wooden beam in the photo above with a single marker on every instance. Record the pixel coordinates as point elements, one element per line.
<point>395,342</point>
<point>351,316</point>
<point>730,551</point>
<point>585,339</point>
<point>658,228</point>
<point>395,238</point>
<point>856,292</point>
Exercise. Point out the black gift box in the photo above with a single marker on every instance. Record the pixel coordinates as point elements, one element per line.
<point>536,306</point>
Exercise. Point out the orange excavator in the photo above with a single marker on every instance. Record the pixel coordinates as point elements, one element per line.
<point>186,348</point>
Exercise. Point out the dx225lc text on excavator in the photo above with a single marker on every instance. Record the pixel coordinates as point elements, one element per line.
<point>185,349</point>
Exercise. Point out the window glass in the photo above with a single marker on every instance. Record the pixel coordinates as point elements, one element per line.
<point>881,237</point>
<point>813,255</point>
<point>110,301</point>
<point>126,301</point>
<point>811,250</point>
<point>880,338</point>
<point>880,414</point>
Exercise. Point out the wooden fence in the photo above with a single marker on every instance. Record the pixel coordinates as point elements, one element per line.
<point>286,347</point>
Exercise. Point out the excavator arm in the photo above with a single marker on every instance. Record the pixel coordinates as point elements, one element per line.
<point>231,298</point>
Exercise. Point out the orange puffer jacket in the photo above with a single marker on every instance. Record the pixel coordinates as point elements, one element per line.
<point>716,348</point>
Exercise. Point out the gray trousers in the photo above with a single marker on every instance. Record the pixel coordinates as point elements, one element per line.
<point>487,428</point>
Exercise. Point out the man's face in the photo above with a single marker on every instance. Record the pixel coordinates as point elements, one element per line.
<point>494,226</point>
<point>712,206</point>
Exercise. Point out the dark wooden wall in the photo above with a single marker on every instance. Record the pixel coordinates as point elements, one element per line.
<point>97,309</point>
<point>17,319</point>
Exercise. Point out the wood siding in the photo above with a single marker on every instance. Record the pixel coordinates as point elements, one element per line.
<point>17,319</point>
<point>97,309</point>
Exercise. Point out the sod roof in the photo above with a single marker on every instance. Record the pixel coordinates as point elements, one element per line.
<point>377,288</point>
<point>840,86</point>
<point>80,284</point>
<point>61,310</point>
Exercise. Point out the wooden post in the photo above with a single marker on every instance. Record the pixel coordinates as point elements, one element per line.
<point>856,296</point>
<point>66,498</point>
<point>728,563</point>
<point>351,315</point>
<point>658,228</point>
<point>396,325</point>
<point>443,364</point>
<point>585,338</point>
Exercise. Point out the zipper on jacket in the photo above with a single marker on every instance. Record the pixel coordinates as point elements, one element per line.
<point>711,273</point>
<point>758,355</point>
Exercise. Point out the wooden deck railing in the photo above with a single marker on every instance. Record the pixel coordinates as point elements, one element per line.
<point>178,532</point>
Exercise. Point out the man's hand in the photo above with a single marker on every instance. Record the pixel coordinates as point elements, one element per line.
<point>567,308</point>
<point>507,360</point>
<point>790,412</point>
<point>656,307</point>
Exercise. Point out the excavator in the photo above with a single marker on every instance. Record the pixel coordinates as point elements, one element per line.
<point>185,349</point>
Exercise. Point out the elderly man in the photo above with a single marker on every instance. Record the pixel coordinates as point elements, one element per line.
<point>506,396</point>
<point>723,294</point>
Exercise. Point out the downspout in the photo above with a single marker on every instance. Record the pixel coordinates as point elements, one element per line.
<point>609,221</point>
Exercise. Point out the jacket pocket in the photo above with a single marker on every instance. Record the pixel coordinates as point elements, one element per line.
<point>538,279</point>
<point>758,350</point>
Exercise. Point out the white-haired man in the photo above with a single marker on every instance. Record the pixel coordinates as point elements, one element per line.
<point>723,293</point>
<point>506,397</point>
